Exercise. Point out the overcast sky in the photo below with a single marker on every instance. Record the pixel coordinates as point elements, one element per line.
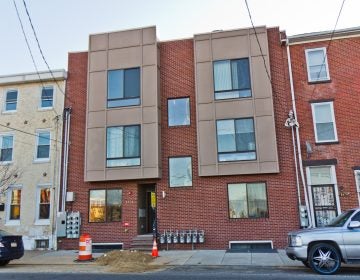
<point>64,25</point>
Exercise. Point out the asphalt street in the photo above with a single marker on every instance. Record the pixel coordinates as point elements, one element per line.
<point>194,273</point>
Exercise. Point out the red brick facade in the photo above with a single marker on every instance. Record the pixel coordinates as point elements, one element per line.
<point>343,90</point>
<point>205,204</point>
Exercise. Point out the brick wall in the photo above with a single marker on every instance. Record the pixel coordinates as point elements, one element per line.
<point>205,204</point>
<point>344,88</point>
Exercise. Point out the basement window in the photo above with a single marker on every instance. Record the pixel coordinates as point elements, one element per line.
<point>42,243</point>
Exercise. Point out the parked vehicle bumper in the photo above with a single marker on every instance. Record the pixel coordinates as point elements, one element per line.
<point>297,253</point>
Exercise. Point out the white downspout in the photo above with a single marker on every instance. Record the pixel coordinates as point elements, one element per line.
<point>309,209</point>
<point>66,157</point>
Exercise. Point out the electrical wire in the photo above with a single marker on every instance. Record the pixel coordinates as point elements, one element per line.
<point>257,39</point>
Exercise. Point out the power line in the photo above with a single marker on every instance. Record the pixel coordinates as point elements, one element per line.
<point>41,52</point>
<point>257,39</point>
<point>29,48</point>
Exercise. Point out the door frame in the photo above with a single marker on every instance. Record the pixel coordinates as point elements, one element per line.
<point>310,192</point>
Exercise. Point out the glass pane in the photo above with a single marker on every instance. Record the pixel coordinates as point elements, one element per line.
<point>226,136</point>
<point>179,111</point>
<point>257,200</point>
<point>122,162</point>
<point>10,106</point>
<point>316,57</point>
<point>237,201</point>
<point>132,141</point>
<point>97,206</point>
<point>44,138</point>
<point>245,136</point>
<point>114,142</point>
<point>318,72</point>
<point>11,96</point>
<point>222,75</point>
<point>113,205</point>
<point>45,196</point>
<point>132,82</point>
<point>6,155</point>
<point>43,151</point>
<point>123,102</point>
<point>325,132</point>
<point>44,211</point>
<point>320,175</point>
<point>240,74</point>
<point>15,196</point>
<point>237,156</point>
<point>14,212</point>
<point>323,113</point>
<point>180,172</point>
<point>7,142</point>
<point>47,97</point>
<point>116,84</point>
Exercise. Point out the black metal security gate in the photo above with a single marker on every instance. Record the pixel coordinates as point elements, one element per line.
<point>324,202</point>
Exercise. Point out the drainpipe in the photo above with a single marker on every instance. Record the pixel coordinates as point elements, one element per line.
<point>67,117</point>
<point>296,127</point>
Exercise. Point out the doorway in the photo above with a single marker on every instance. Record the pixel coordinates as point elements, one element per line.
<point>146,208</point>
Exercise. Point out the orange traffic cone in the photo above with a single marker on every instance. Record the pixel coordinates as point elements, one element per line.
<point>155,252</point>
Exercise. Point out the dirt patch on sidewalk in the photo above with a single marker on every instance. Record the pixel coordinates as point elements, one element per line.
<point>127,261</point>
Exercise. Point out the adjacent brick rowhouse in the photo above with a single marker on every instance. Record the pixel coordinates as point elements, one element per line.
<point>343,89</point>
<point>205,204</point>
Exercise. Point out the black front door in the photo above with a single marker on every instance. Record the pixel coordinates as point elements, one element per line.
<point>146,213</point>
<point>324,201</point>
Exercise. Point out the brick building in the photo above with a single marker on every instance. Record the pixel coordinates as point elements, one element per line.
<point>197,123</point>
<point>325,68</point>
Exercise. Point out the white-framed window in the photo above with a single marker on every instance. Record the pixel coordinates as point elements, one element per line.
<point>180,172</point>
<point>357,182</point>
<point>42,152</point>
<point>179,111</point>
<point>317,65</point>
<point>43,204</point>
<point>11,98</point>
<point>47,97</point>
<point>324,122</point>
<point>13,208</point>
<point>6,148</point>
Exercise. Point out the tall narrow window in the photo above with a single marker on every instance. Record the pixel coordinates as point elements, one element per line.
<point>179,111</point>
<point>123,87</point>
<point>247,200</point>
<point>44,204</point>
<point>11,100</point>
<point>6,145</point>
<point>317,65</point>
<point>180,172</point>
<point>232,78</point>
<point>15,202</point>
<point>47,96</point>
<point>105,205</point>
<point>236,139</point>
<point>123,146</point>
<point>324,122</point>
<point>43,145</point>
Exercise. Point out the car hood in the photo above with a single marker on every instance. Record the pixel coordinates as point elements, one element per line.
<point>321,230</point>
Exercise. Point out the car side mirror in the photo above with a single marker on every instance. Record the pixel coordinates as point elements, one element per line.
<point>354,224</point>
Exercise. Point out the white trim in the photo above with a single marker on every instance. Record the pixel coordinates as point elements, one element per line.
<point>333,181</point>
<point>37,206</point>
<point>40,108</point>
<point>357,183</point>
<point>327,78</point>
<point>251,242</point>
<point>41,160</point>
<point>2,134</point>
<point>313,106</point>
<point>9,222</point>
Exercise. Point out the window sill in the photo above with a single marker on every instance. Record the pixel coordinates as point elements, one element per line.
<point>42,223</point>
<point>6,162</point>
<point>9,112</point>
<point>45,108</point>
<point>174,187</point>
<point>320,82</point>
<point>41,161</point>
<point>12,223</point>
<point>233,99</point>
<point>179,125</point>
<point>327,143</point>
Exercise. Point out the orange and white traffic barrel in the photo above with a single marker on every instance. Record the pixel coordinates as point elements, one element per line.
<point>85,248</point>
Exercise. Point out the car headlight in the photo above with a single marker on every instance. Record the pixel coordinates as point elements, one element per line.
<point>295,241</point>
<point>1,245</point>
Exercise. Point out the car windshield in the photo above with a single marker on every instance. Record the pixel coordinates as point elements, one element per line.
<point>340,220</point>
<point>4,233</point>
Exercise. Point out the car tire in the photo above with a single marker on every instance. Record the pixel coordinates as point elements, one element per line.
<point>324,258</point>
<point>3,263</point>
